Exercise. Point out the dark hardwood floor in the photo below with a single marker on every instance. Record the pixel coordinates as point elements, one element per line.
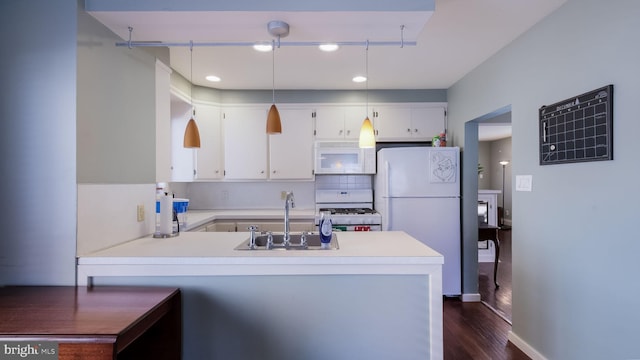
<point>479,330</point>
<point>473,331</point>
<point>498,299</point>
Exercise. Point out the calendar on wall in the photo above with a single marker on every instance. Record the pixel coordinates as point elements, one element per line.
<point>578,129</point>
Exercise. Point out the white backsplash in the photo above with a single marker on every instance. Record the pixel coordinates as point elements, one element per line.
<point>244,195</point>
<point>343,182</point>
<point>107,214</point>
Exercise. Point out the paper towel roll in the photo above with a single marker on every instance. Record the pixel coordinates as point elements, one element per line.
<point>166,214</point>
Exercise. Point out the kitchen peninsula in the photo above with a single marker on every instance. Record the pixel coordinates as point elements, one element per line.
<point>378,296</point>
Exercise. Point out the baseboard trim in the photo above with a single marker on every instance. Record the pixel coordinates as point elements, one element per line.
<point>525,347</point>
<point>471,297</point>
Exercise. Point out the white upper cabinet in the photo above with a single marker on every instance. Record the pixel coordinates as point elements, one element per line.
<point>339,122</point>
<point>291,152</point>
<point>427,122</point>
<point>392,122</point>
<point>245,142</point>
<point>408,122</point>
<point>353,118</point>
<point>209,158</point>
<point>182,159</point>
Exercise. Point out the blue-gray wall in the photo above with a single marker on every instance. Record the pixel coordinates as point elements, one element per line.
<point>575,242</point>
<point>38,127</point>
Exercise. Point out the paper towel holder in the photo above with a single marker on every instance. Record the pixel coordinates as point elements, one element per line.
<point>174,231</point>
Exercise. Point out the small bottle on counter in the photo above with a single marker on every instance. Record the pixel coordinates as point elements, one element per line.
<point>443,139</point>
<point>325,228</point>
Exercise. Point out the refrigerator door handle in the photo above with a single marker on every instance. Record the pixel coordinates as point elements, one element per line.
<point>387,198</point>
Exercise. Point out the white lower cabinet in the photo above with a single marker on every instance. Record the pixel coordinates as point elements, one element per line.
<point>276,226</point>
<point>223,226</point>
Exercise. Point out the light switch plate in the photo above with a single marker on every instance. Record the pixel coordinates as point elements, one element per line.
<point>524,182</point>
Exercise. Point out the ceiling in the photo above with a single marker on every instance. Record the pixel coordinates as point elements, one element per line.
<point>451,41</point>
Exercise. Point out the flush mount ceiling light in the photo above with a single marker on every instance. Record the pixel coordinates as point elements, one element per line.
<point>359,79</point>
<point>367,135</point>
<point>191,133</point>
<point>213,78</point>
<point>329,47</point>
<point>262,47</point>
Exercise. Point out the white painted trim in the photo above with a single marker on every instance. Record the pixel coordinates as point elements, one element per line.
<point>163,66</point>
<point>525,347</point>
<point>471,297</point>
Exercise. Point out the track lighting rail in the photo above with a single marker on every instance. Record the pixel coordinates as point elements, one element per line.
<point>277,25</point>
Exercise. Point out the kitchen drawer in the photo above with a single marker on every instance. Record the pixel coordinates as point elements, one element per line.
<point>224,226</point>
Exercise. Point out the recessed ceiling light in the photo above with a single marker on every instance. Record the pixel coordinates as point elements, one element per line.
<point>213,78</point>
<point>263,47</point>
<point>360,79</point>
<point>328,47</point>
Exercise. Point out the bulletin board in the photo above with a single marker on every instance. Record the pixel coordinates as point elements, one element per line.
<point>578,129</point>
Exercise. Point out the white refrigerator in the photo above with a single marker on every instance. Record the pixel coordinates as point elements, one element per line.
<point>417,190</point>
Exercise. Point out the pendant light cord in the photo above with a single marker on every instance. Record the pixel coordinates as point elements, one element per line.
<point>366,70</point>
<point>191,76</point>
<point>273,71</point>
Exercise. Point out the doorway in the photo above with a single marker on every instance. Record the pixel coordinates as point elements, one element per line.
<point>488,144</point>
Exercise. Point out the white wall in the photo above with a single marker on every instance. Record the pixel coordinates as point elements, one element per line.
<point>116,108</point>
<point>38,127</point>
<point>107,214</point>
<point>575,248</point>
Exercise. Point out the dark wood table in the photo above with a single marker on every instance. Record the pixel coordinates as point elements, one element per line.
<point>490,232</point>
<point>95,322</point>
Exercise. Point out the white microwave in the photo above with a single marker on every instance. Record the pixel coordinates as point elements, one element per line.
<point>336,157</point>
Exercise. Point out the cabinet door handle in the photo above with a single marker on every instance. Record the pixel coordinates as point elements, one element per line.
<point>348,132</point>
<point>409,130</point>
<point>262,172</point>
<point>274,171</point>
<point>340,133</point>
<point>415,130</point>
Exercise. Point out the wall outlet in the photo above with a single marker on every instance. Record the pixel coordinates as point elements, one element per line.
<point>140,212</point>
<point>283,194</point>
<point>506,212</point>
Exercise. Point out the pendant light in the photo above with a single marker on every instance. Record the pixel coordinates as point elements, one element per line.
<point>191,133</point>
<point>367,135</point>
<point>274,126</point>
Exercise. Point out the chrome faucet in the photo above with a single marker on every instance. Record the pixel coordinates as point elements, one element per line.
<point>289,200</point>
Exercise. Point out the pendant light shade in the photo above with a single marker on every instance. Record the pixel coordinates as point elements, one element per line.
<point>367,136</point>
<point>191,135</point>
<point>274,126</point>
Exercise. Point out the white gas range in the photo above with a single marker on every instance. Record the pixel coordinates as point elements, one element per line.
<point>351,210</point>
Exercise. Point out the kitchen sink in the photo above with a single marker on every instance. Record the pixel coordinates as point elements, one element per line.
<point>313,243</point>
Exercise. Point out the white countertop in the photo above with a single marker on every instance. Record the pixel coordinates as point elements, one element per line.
<point>212,253</point>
